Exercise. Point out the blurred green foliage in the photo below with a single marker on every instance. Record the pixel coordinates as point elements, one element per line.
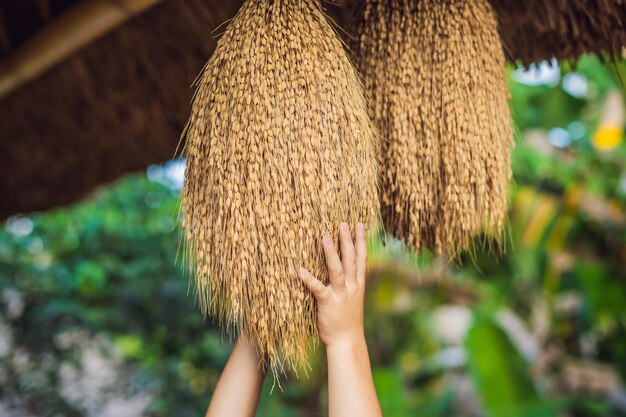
<point>539,330</point>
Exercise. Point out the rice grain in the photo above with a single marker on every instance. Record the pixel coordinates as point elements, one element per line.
<point>280,150</point>
<point>435,74</point>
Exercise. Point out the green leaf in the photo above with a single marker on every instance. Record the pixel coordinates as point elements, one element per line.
<point>391,392</point>
<point>90,277</point>
<point>500,374</point>
<point>130,345</point>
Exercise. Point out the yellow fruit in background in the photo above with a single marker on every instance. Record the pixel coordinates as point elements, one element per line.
<point>607,137</point>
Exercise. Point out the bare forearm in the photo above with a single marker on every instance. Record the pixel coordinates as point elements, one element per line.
<point>350,385</point>
<point>238,389</point>
<point>340,322</point>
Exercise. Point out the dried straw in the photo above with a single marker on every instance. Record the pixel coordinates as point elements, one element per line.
<point>534,30</point>
<point>435,71</point>
<point>279,151</point>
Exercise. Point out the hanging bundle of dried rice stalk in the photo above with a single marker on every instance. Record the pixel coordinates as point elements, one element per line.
<point>435,71</point>
<point>280,150</point>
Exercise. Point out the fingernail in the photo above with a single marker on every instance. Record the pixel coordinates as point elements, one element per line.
<point>328,241</point>
<point>344,227</point>
<point>361,227</point>
<point>301,272</point>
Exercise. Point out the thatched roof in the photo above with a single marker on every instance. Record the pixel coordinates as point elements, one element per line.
<point>534,30</point>
<point>119,102</point>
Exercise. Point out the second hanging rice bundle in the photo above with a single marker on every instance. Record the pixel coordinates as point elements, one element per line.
<point>435,73</point>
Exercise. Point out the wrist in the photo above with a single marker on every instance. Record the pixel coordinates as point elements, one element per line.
<point>346,342</point>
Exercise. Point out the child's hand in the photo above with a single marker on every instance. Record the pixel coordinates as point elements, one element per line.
<point>340,304</point>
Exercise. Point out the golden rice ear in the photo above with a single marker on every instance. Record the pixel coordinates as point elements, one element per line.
<point>435,73</point>
<point>280,150</point>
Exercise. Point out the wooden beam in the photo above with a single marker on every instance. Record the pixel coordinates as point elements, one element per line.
<point>76,28</point>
